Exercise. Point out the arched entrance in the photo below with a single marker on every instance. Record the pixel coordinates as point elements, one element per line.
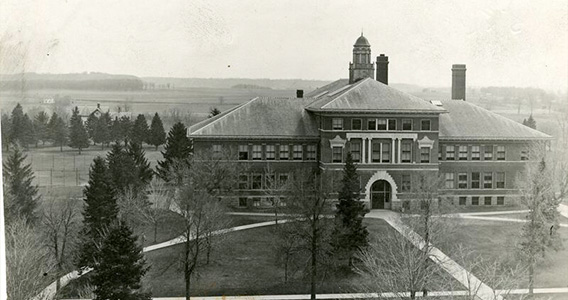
<point>380,195</point>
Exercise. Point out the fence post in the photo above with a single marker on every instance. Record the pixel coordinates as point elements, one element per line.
<point>51,177</point>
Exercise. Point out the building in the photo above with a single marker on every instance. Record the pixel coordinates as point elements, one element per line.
<point>393,137</point>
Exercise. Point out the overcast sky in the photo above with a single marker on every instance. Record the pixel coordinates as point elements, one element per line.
<point>504,43</point>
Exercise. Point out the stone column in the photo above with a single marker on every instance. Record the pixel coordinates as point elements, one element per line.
<point>399,150</point>
<point>363,156</point>
<point>370,150</point>
<point>392,152</point>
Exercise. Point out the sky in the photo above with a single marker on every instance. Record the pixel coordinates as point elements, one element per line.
<point>520,43</point>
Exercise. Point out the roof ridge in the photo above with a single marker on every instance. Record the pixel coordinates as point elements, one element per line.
<point>352,87</point>
<point>222,117</point>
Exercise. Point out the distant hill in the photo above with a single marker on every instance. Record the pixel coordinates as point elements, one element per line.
<point>76,81</point>
<point>250,87</point>
<point>276,84</point>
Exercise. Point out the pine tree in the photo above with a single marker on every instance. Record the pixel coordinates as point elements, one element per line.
<point>18,132</point>
<point>102,132</point>
<point>139,131</point>
<point>178,149</point>
<point>213,112</point>
<point>57,131</point>
<point>91,125</point>
<point>531,122</point>
<point>78,137</point>
<point>122,169</point>
<point>41,121</point>
<point>350,234</point>
<point>120,129</point>
<point>121,266</point>
<point>143,169</point>
<point>21,195</point>
<point>6,131</point>
<point>30,134</point>
<point>99,212</point>
<point>156,135</point>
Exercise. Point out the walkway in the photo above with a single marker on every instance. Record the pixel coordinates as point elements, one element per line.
<point>563,209</point>
<point>466,278</point>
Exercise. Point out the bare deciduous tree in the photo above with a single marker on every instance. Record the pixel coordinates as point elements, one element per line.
<point>159,199</point>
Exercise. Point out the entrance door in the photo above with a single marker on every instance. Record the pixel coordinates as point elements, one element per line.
<point>380,194</point>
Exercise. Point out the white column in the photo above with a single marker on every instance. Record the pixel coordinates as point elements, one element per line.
<point>399,150</point>
<point>363,151</point>
<point>392,152</point>
<point>370,148</point>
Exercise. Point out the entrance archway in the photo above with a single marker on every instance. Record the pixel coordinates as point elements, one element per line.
<point>381,194</point>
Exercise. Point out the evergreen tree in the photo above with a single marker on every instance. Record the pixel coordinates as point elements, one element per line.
<point>121,266</point>
<point>99,212</point>
<point>91,125</point>
<point>6,131</point>
<point>20,194</point>
<point>30,133</point>
<point>102,131</point>
<point>41,121</point>
<point>213,112</point>
<point>350,234</point>
<point>122,169</point>
<point>19,126</point>
<point>143,169</point>
<point>139,131</point>
<point>57,131</point>
<point>531,122</point>
<point>156,135</point>
<point>78,137</point>
<point>120,129</point>
<point>178,149</point>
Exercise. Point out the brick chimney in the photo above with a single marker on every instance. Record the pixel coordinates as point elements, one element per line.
<point>383,69</point>
<point>458,82</point>
<point>299,93</point>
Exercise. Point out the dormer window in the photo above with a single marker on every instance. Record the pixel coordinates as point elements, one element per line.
<point>356,124</point>
<point>382,125</point>
<point>337,124</point>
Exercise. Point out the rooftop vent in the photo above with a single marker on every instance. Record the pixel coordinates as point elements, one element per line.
<point>436,102</point>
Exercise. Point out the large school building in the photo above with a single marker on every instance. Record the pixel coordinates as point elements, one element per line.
<point>393,137</point>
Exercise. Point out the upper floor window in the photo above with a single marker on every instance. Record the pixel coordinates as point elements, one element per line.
<point>243,152</point>
<point>475,180</point>
<point>337,124</point>
<point>337,154</point>
<point>450,152</point>
<point>382,124</point>
<point>488,180</point>
<point>463,152</point>
<point>406,124</point>
<point>243,181</point>
<point>524,155</point>
<point>376,152</point>
<point>386,152</point>
<point>392,124</point>
<point>256,181</point>
<point>298,154</point>
<point>425,125</point>
<point>500,180</point>
<point>256,152</point>
<point>356,124</point>
<point>282,178</point>
<point>449,181</point>
<point>475,155</point>
<point>284,152</point>
<point>270,152</point>
<point>355,148</point>
<point>406,183</point>
<point>462,180</point>
<point>488,152</point>
<point>311,155</point>
<point>406,151</point>
<point>371,124</point>
<point>500,152</point>
<point>217,151</point>
<point>425,155</point>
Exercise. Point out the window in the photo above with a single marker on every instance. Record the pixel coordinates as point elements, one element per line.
<point>406,151</point>
<point>282,178</point>
<point>337,124</point>
<point>243,152</point>
<point>242,202</point>
<point>376,149</point>
<point>256,202</point>
<point>425,125</point>
<point>425,155</point>
<point>405,183</point>
<point>382,124</point>
<point>356,124</point>
<point>488,152</point>
<point>243,181</point>
<point>311,152</point>
<point>298,155</point>
<point>487,180</point>
<point>256,152</point>
<point>449,180</point>
<point>475,180</point>
<point>386,152</point>
<point>463,152</point>
<point>439,153</point>
<point>475,155</point>
<point>392,124</point>
<point>500,180</point>
<point>270,152</point>
<point>500,200</point>
<point>355,151</point>
<point>284,152</point>
<point>463,200</point>
<point>450,152</point>
<point>462,180</point>
<point>257,181</point>
<point>487,200</point>
<point>371,124</point>
<point>475,200</point>
<point>500,152</point>
<point>270,181</point>
<point>217,151</point>
<point>336,154</point>
<point>524,155</point>
<point>406,124</point>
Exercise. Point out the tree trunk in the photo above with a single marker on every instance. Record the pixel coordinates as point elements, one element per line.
<point>314,263</point>
<point>186,269</point>
<point>155,232</point>
<point>531,279</point>
<point>79,150</point>
<point>61,147</point>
